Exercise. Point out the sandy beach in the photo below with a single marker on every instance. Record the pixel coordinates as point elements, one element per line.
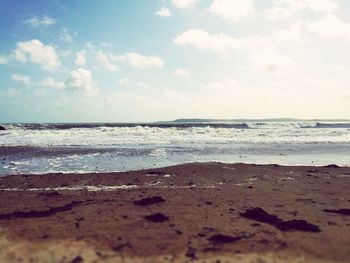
<point>200,212</point>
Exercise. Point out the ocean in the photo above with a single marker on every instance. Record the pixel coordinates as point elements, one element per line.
<point>107,147</point>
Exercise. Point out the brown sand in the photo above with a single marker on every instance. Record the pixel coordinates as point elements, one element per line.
<point>209,212</point>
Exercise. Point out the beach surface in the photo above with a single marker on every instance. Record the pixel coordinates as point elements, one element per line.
<point>198,212</point>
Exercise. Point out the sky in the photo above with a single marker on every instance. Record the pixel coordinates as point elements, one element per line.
<point>149,60</point>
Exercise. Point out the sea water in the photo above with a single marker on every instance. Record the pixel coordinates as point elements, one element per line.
<point>97,147</point>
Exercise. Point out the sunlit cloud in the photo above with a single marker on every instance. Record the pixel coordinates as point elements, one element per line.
<point>3,60</point>
<point>165,12</point>
<point>65,36</point>
<point>183,3</point>
<point>232,10</point>
<point>140,61</point>
<point>270,60</point>
<point>44,21</point>
<point>106,62</point>
<point>220,42</point>
<point>36,52</point>
<point>12,92</point>
<point>51,83</point>
<point>287,8</point>
<point>331,27</point>
<point>181,72</point>
<point>80,80</point>
<point>80,58</point>
<point>21,78</point>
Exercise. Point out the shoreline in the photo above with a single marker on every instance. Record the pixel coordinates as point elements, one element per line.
<point>154,167</point>
<point>190,212</point>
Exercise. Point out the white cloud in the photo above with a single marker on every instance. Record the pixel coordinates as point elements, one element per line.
<point>294,32</point>
<point>44,21</point>
<point>65,36</point>
<point>89,45</point>
<point>3,60</point>
<point>271,61</point>
<point>39,93</point>
<point>232,98</point>
<point>80,58</point>
<point>181,72</point>
<point>331,27</point>
<point>36,52</point>
<point>11,92</point>
<point>221,43</point>
<point>104,59</point>
<point>104,44</point>
<point>287,8</point>
<point>232,10</point>
<point>165,12</point>
<point>65,53</point>
<point>322,6</point>
<point>80,80</point>
<point>284,8</point>
<point>183,3</point>
<point>342,70</point>
<point>124,82</point>
<point>141,85</point>
<point>21,78</point>
<point>140,61</point>
<point>51,83</point>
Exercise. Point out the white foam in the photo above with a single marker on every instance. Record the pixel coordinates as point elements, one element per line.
<point>268,132</point>
<point>89,188</point>
<point>98,188</point>
<point>158,152</point>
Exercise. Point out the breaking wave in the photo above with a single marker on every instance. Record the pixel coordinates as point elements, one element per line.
<point>66,126</point>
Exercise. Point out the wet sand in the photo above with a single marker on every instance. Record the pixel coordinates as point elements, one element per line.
<point>207,212</point>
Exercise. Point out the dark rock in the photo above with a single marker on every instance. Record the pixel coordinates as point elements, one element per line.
<point>77,259</point>
<point>210,249</point>
<point>223,239</point>
<point>297,225</point>
<point>260,215</point>
<point>157,218</point>
<point>342,211</point>
<point>121,247</point>
<point>178,232</point>
<point>40,213</point>
<point>332,166</point>
<point>311,175</point>
<point>294,213</point>
<point>205,231</point>
<point>155,172</point>
<point>79,219</point>
<point>50,194</point>
<point>149,201</point>
<point>255,224</point>
<point>191,253</point>
<point>2,128</point>
<point>305,200</point>
<point>312,171</point>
